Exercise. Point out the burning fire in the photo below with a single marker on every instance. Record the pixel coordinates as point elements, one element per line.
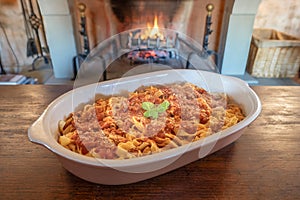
<point>152,32</point>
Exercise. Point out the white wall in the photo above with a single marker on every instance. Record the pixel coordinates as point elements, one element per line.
<point>60,36</point>
<point>239,37</point>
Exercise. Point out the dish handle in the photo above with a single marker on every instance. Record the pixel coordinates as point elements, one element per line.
<point>36,132</point>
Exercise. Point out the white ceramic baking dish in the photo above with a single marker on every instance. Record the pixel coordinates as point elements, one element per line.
<point>44,130</point>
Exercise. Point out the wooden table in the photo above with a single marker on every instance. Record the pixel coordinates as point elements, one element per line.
<point>263,164</point>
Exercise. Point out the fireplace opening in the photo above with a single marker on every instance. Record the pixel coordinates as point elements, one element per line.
<point>144,43</point>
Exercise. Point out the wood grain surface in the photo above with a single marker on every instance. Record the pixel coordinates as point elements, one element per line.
<point>264,163</point>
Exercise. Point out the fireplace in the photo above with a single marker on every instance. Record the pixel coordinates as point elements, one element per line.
<point>146,19</point>
<point>232,25</point>
<point>185,16</point>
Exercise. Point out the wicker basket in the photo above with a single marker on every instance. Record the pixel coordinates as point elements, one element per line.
<point>273,54</point>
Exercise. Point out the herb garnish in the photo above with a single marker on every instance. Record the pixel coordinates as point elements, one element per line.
<point>152,110</point>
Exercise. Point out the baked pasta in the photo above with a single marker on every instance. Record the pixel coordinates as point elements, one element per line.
<point>148,120</point>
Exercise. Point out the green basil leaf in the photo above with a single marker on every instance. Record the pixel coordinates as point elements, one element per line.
<point>154,115</point>
<point>166,104</point>
<point>148,105</point>
<point>163,106</point>
<point>152,110</point>
<point>151,113</point>
<point>147,113</point>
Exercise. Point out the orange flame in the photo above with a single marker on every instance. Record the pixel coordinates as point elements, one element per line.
<point>155,22</point>
<point>152,32</point>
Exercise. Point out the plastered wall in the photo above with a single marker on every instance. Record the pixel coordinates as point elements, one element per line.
<point>280,15</point>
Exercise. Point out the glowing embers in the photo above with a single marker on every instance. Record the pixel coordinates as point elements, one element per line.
<point>143,55</point>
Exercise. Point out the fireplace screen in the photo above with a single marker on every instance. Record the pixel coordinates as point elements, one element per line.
<point>129,53</point>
